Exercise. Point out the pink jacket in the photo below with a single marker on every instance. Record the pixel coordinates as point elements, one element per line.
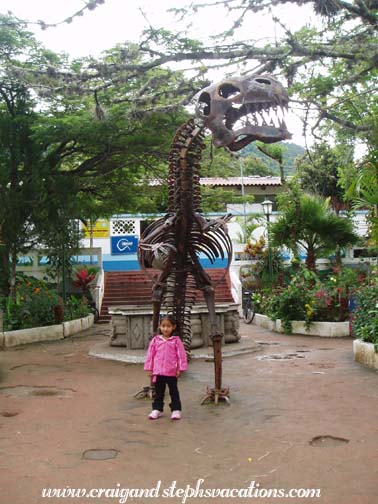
<point>165,357</point>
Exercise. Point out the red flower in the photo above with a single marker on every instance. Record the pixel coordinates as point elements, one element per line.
<point>320,294</point>
<point>83,279</point>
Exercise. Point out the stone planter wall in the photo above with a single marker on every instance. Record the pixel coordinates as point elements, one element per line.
<point>323,329</point>
<point>46,333</point>
<point>132,325</point>
<point>365,354</point>
<point>265,322</point>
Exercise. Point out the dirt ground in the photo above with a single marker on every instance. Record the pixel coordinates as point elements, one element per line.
<point>303,416</point>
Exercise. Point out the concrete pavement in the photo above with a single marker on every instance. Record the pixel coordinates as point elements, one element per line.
<point>303,416</point>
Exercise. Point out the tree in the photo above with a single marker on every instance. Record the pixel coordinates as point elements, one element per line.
<point>61,237</point>
<point>18,155</point>
<point>274,152</point>
<point>286,153</point>
<point>319,172</point>
<point>222,163</point>
<point>256,166</point>
<point>89,5</point>
<point>363,192</point>
<point>309,224</point>
<point>330,66</point>
<point>60,155</point>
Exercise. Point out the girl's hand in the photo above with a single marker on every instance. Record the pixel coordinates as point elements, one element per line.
<point>149,373</point>
<point>178,374</point>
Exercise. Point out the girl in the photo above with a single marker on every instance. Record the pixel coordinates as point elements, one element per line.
<point>165,360</point>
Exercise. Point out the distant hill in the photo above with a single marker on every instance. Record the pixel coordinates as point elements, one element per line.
<point>291,152</point>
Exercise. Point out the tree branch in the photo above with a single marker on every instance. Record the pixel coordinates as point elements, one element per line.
<point>89,6</point>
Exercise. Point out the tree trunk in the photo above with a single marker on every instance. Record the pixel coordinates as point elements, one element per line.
<point>4,270</point>
<point>338,259</point>
<point>12,274</point>
<point>311,259</point>
<point>91,224</point>
<point>282,174</point>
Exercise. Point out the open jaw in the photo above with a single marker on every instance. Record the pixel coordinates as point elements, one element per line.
<point>241,110</point>
<point>264,122</point>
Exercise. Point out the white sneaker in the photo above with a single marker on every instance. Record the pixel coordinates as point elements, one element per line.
<point>176,415</point>
<point>155,414</point>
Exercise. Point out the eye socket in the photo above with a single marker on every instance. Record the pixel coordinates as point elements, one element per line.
<point>261,80</point>
<point>228,90</point>
<point>204,103</point>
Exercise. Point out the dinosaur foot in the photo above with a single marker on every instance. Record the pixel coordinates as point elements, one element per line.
<point>147,392</point>
<point>216,395</point>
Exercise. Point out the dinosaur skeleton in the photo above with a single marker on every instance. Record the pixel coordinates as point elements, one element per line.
<point>232,110</point>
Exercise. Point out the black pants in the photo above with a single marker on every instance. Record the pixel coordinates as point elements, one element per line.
<point>161,382</point>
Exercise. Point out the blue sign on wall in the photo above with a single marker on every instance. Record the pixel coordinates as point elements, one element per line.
<point>124,244</point>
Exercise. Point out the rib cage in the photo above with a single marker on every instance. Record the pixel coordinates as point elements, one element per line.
<point>174,242</point>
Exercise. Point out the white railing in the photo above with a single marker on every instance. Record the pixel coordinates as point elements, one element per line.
<point>98,289</point>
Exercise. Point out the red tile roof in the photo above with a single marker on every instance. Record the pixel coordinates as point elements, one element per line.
<point>247,181</point>
<point>232,181</point>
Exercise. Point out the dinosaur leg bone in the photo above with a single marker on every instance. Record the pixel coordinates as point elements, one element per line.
<point>218,392</point>
<point>204,283</point>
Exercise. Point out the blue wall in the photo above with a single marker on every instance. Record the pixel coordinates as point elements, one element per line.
<point>130,263</point>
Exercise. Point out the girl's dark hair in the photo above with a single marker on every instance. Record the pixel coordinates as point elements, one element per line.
<point>170,319</point>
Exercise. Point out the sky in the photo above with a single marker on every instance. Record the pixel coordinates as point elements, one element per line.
<point>118,21</point>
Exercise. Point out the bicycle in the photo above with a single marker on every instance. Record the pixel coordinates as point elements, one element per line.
<point>248,307</point>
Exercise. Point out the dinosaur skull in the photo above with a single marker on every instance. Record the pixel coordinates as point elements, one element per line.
<point>240,110</point>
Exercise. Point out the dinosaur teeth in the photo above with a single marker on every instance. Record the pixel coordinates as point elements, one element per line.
<point>262,115</point>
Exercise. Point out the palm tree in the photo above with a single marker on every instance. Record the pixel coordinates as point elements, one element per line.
<point>248,224</point>
<point>308,223</point>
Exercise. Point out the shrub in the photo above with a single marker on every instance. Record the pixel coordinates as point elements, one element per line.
<point>266,265</point>
<point>75,308</point>
<point>311,298</point>
<point>365,317</point>
<point>292,302</point>
<point>331,300</point>
<point>83,277</point>
<point>32,306</point>
<point>36,303</point>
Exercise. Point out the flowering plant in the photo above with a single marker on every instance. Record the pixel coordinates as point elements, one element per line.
<point>33,304</point>
<point>83,278</point>
<point>292,301</point>
<point>255,250</point>
<point>36,303</point>
<point>309,297</point>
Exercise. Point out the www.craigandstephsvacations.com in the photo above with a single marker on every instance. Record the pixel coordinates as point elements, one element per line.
<point>184,493</point>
